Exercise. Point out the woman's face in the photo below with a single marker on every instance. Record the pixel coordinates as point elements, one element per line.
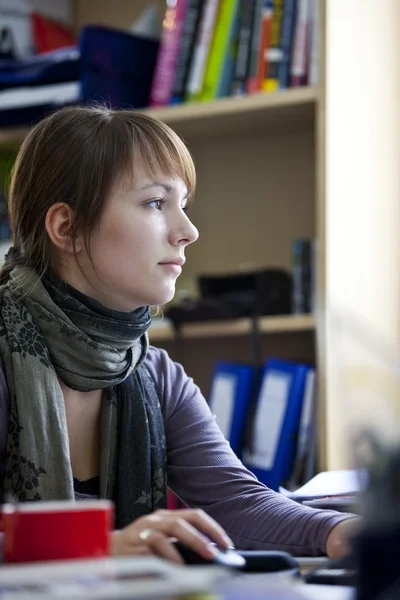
<point>138,247</point>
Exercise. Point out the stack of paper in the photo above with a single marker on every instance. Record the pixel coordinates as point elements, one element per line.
<point>330,489</point>
<point>105,579</point>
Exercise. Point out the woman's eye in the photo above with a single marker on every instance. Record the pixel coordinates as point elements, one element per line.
<point>156,203</point>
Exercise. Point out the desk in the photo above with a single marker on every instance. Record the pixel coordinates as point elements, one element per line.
<point>139,578</point>
<point>274,586</point>
<point>298,591</point>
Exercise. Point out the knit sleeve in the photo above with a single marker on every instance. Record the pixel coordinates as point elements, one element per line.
<point>205,473</point>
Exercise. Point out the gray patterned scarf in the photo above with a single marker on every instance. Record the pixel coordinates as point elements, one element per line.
<point>50,331</point>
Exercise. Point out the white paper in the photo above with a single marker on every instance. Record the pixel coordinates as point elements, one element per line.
<point>329,483</point>
<point>222,401</point>
<point>54,93</point>
<point>270,413</point>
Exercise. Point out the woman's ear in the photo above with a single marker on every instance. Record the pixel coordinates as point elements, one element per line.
<point>59,221</point>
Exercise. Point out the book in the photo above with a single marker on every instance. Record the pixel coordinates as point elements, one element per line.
<point>274,52</point>
<point>167,59</point>
<point>227,72</point>
<point>186,49</point>
<point>201,50</point>
<point>265,37</point>
<point>242,62</point>
<point>314,43</point>
<point>286,43</point>
<point>219,47</point>
<point>301,45</point>
<point>252,82</point>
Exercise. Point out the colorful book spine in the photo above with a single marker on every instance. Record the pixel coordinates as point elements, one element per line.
<point>274,53</point>
<point>201,50</point>
<point>254,47</point>
<point>300,45</point>
<point>266,21</point>
<point>287,35</point>
<point>218,50</point>
<point>164,74</point>
<point>229,61</point>
<point>244,46</point>
<point>314,43</point>
<point>188,38</point>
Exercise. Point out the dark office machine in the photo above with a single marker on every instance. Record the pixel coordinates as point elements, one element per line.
<point>248,294</point>
<point>377,547</point>
<point>373,566</point>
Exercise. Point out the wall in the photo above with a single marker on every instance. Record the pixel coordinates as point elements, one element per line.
<point>362,219</point>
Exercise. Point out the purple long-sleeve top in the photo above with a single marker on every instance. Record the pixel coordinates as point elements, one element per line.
<point>205,473</point>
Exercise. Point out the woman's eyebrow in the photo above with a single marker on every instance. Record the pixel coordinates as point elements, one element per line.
<point>167,187</point>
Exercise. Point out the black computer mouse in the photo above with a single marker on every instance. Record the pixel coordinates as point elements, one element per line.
<point>338,571</point>
<point>223,557</point>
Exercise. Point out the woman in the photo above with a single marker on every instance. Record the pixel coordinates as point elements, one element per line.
<point>98,207</point>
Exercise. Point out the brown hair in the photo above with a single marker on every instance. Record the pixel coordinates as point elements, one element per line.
<point>75,156</point>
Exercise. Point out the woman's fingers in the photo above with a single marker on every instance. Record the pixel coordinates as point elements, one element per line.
<point>161,545</point>
<point>153,533</point>
<point>204,523</point>
<point>129,542</point>
<point>189,536</point>
<point>201,521</point>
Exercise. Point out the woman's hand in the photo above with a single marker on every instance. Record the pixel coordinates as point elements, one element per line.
<point>338,543</point>
<point>154,533</point>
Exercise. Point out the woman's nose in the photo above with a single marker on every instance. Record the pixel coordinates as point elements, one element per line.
<point>186,234</point>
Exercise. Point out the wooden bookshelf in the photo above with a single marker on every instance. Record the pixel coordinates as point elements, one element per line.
<point>242,114</point>
<point>215,329</point>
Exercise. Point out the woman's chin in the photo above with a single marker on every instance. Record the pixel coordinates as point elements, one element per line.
<point>163,298</point>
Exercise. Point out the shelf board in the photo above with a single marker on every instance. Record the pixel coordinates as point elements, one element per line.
<point>211,329</point>
<point>239,114</point>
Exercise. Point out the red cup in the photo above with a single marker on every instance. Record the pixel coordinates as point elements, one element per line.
<point>40,531</point>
